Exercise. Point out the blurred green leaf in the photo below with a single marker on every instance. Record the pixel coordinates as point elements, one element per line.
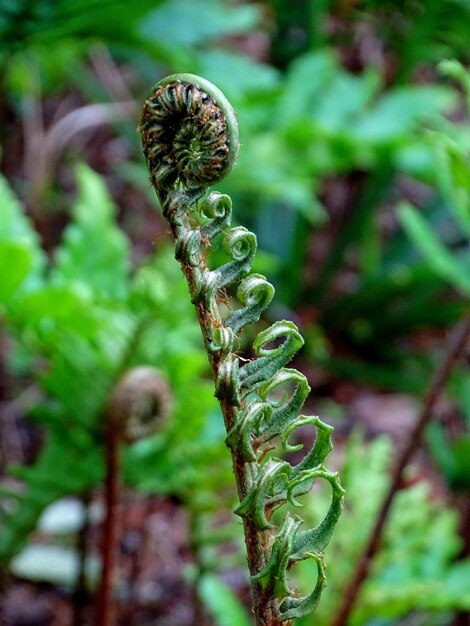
<point>16,229</point>
<point>345,97</point>
<point>398,111</point>
<point>441,451</point>
<point>186,23</point>
<point>221,602</point>
<point>24,23</point>
<point>236,75</point>
<point>453,177</point>
<point>93,250</point>
<point>15,264</point>
<point>461,451</point>
<point>56,306</point>
<point>443,262</point>
<point>306,81</point>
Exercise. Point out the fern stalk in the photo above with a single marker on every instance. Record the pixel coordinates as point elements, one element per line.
<point>138,404</point>
<point>190,140</point>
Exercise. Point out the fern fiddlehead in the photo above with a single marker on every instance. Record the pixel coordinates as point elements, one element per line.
<point>190,140</point>
<point>138,404</point>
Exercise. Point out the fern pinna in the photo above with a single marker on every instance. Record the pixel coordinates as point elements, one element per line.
<point>190,140</point>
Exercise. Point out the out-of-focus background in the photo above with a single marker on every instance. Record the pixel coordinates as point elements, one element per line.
<point>354,173</point>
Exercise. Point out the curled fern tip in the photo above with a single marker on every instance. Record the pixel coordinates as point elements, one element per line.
<point>189,132</point>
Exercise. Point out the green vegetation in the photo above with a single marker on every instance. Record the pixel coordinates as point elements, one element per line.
<point>354,174</point>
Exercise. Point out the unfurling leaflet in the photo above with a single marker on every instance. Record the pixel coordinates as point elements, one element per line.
<point>190,140</point>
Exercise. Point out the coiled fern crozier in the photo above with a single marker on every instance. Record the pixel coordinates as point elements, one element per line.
<point>190,140</point>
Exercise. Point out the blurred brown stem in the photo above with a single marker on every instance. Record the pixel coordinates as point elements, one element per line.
<point>455,347</point>
<point>104,610</point>
<point>81,592</point>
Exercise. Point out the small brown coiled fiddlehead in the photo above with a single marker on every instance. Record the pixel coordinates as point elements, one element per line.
<point>138,405</point>
<point>190,140</point>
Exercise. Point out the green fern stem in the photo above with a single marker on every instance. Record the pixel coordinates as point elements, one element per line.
<point>190,139</point>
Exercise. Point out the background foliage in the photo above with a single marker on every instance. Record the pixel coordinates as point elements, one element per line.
<point>353,173</point>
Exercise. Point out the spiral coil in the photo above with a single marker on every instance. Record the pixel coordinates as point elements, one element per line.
<point>140,403</point>
<point>187,136</point>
